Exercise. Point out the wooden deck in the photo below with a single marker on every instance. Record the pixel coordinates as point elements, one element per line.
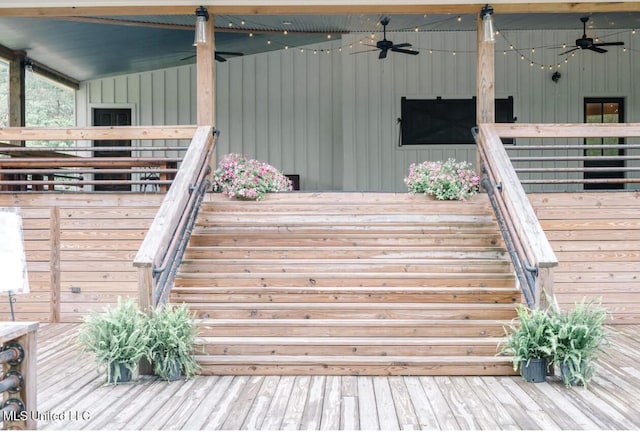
<point>69,382</point>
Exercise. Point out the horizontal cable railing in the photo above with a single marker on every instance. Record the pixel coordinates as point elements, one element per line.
<point>530,251</point>
<point>568,162</point>
<point>98,167</point>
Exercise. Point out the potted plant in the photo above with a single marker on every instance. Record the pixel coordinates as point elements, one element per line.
<point>117,337</point>
<point>450,180</point>
<point>242,178</point>
<point>578,338</point>
<point>529,342</point>
<point>172,336</point>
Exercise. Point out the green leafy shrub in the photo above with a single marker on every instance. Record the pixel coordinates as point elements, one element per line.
<point>119,335</point>
<point>171,340</point>
<point>529,336</point>
<point>578,338</point>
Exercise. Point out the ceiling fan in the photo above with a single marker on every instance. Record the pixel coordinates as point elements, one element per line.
<point>385,45</point>
<point>585,43</point>
<point>218,55</point>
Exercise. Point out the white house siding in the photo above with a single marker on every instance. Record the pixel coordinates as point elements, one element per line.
<point>279,107</point>
<point>332,117</point>
<point>372,90</point>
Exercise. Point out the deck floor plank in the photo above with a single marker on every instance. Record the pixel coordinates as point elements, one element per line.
<point>295,409</point>
<point>68,381</point>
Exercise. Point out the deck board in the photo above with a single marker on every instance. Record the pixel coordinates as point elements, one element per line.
<point>68,381</point>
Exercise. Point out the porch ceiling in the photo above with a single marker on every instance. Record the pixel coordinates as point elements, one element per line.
<point>91,47</point>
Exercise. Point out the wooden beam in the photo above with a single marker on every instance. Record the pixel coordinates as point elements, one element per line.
<point>205,73</point>
<point>258,7</point>
<point>54,75</point>
<point>97,133</point>
<point>595,130</point>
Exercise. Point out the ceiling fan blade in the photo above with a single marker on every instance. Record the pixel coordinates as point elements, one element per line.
<point>188,57</point>
<point>404,44</point>
<point>597,49</point>
<point>363,51</point>
<point>401,50</point>
<point>229,53</point>
<point>219,58</point>
<point>598,44</point>
<point>383,54</point>
<point>568,51</point>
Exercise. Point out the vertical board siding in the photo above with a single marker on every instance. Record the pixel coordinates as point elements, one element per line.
<point>332,117</point>
<point>372,91</point>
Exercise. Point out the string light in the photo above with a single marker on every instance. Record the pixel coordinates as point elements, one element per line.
<point>286,32</point>
<point>459,18</point>
<point>268,42</point>
<point>329,36</point>
<point>230,24</point>
<point>250,34</point>
<point>242,22</point>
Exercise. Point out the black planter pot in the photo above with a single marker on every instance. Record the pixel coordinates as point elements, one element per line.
<point>535,370</point>
<point>565,372</point>
<point>176,371</point>
<point>119,373</point>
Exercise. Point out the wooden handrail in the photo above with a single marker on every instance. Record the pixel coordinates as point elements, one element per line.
<point>96,133</point>
<point>519,210</point>
<point>24,335</point>
<point>595,130</point>
<point>164,225</point>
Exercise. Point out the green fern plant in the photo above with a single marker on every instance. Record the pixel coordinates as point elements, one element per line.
<point>117,336</point>
<point>579,337</point>
<point>171,341</point>
<point>529,336</point>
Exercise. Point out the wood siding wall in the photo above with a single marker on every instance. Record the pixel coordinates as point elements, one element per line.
<point>596,237</point>
<point>79,240</point>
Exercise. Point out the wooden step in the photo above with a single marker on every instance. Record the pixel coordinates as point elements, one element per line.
<point>355,365</point>
<point>429,311</point>
<point>446,240</point>
<point>285,252</point>
<point>371,266</point>
<point>352,327</point>
<point>348,346</point>
<point>357,294</point>
<point>338,279</point>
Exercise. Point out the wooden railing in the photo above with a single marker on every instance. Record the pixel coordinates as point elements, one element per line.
<point>170,226</point>
<point>568,161</point>
<point>531,248</point>
<point>18,384</point>
<point>50,168</point>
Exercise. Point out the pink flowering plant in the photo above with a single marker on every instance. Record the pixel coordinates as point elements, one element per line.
<point>450,180</point>
<point>248,179</point>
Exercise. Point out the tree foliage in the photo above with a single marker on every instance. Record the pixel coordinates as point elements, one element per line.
<point>47,103</point>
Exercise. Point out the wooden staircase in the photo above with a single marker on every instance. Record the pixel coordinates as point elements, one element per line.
<point>348,283</point>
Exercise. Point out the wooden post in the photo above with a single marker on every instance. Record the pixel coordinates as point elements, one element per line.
<point>145,303</point>
<point>485,82</point>
<point>206,82</point>
<point>544,296</point>
<point>17,92</point>
<point>54,264</point>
